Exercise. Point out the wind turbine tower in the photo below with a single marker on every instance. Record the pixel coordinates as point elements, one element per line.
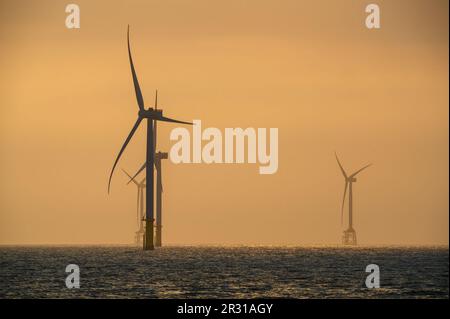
<point>159,156</point>
<point>349,236</point>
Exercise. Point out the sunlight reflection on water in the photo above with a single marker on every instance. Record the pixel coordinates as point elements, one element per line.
<point>223,272</point>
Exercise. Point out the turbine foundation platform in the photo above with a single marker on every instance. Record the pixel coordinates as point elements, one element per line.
<point>349,237</point>
<point>148,235</point>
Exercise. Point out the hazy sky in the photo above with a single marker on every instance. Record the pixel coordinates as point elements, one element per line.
<point>309,68</point>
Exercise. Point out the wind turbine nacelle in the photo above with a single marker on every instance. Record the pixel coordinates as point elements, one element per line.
<point>163,155</point>
<point>150,113</point>
<point>353,179</point>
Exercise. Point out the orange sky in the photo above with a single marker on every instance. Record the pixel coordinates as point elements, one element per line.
<point>309,68</point>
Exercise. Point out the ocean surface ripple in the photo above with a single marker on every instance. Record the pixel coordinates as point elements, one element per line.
<point>223,272</point>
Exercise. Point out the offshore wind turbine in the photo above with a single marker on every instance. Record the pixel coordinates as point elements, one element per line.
<point>159,156</point>
<point>151,115</point>
<point>349,236</point>
<point>139,207</point>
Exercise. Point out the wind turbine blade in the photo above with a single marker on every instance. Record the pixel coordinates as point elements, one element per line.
<point>155,122</point>
<point>155,131</point>
<point>166,119</point>
<point>136,183</point>
<point>136,125</point>
<point>360,170</point>
<point>137,173</point>
<point>343,203</point>
<point>138,205</point>
<point>137,89</point>
<point>154,140</point>
<point>339,163</point>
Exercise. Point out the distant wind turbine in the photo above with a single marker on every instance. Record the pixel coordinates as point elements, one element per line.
<point>151,115</point>
<point>349,236</point>
<point>139,207</point>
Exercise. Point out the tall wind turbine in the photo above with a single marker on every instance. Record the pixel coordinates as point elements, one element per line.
<point>151,115</point>
<point>349,236</point>
<point>139,207</point>
<point>159,156</point>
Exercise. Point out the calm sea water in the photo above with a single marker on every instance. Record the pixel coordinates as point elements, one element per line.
<point>223,272</point>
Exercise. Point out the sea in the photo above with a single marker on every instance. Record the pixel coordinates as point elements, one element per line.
<point>223,272</point>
